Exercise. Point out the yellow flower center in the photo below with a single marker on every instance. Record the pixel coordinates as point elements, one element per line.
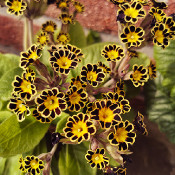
<point>63,5</point>
<point>106,115</point>
<point>97,158</point>
<point>42,39</point>
<point>16,6</point>
<point>77,84</point>
<point>20,106</point>
<point>132,37</point>
<point>79,129</point>
<point>64,62</point>
<point>112,54</point>
<point>78,8</point>
<point>137,75</point>
<point>33,55</point>
<point>75,98</point>
<point>121,135</point>
<point>159,36</point>
<point>92,76</point>
<point>49,28</point>
<point>158,17</point>
<point>26,86</point>
<point>51,102</point>
<point>132,12</point>
<point>62,38</point>
<point>67,19</point>
<point>34,164</point>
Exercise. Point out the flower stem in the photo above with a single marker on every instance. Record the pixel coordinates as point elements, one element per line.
<point>25,35</point>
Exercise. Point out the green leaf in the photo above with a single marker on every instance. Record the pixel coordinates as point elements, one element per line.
<point>18,138</point>
<point>77,35</point>
<point>4,115</point>
<point>142,59</point>
<point>93,37</point>
<point>8,62</point>
<point>6,83</point>
<point>62,122</point>
<point>72,160</point>
<point>2,165</point>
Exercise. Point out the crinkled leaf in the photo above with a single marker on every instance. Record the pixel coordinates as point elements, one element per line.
<point>4,115</point>
<point>6,83</point>
<point>72,160</point>
<point>17,138</point>
<point>77,35</point>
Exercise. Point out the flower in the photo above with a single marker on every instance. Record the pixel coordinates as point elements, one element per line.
<point>22,165</point>
<point>33,165</point>
<point>63,60</point>
<point>90,106</point>
<point>105,68</point>
<point>92,74</point>
<point>158,14</point>
<point>32,54</point>
<point>139,75</point>
<point>78,6</point>
<point>132,11</point>
<point>79,128</point>
<point>96,158</point>
<point>66,18</point>
<point>16,7</point>
<point>152,70</point>
<point>119,100</point>
<point>139,124</point>
<point>169,25</point>
<point>115,171</point>
<point>132,36</point>
<point>77,82</point>
<point>75,50</point>
<point>159,5</point>
<point>19,107</point>
<point>49,27</point>
<point>113,52</point>
<point>119,89</point>
<point>63,38</point>
<point>117,2</point>
<point>63,4</point>
<point>43,39</point>
<point>76,98</point>
<point>29,74</point>
<point>54,48</point>
<point>51,103</point>
<point>25,88</point>
<point>123,135</point>
<point>40,118</point>
<point>161,35</point>
<point>106,113</point>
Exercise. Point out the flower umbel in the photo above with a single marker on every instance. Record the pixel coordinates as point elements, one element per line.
<point>139,75</point>
<point>132,36</point>
<point>79,128</point>
<point>123,135</point>
<point>96,158</point>
<point>51,103</point>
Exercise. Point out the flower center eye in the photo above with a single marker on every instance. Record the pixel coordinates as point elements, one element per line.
<point>80,129</point>
<point>97,158</point>
<point>20,106</point>
<point>132,37</point>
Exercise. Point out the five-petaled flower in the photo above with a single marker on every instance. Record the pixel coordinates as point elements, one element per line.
<point>16,7</point>
<point>78,6</point>
<point>51,103</point>
<point>105,68</point>
<point>139,75</point>
<point>33,165</point>
<point>92,74</point>
<point>132,11</point>
<point>63,4</point>
<point>29,57</point>
<point>97,159</point>
<point>63,38</point>
<point>19,107</point>
<point>43,39</point>
<point>77,82</point>
<point>66,18</point>
<point>24,87</point>
<point>132,36</point>
<point>160,35</point>
<point>123,135</point>
<point>152,70</point>
<point>49,27</point>
<point>76,98</point>
<point>106,113</point>
<point>157,13</point>
<point>63,60</point>
<point>113,52</point>
<point>29,74</point>
<point>79,128</point>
